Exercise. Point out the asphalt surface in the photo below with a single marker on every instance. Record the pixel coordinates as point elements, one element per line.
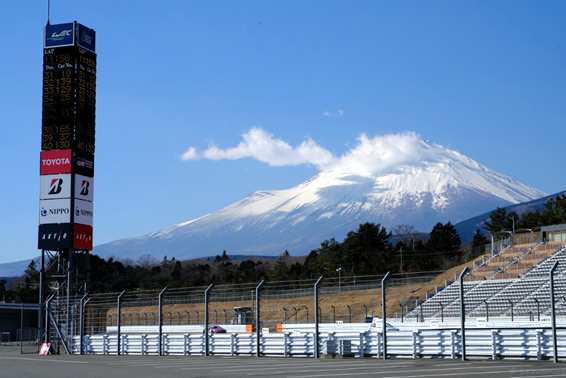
<point>13,364</point>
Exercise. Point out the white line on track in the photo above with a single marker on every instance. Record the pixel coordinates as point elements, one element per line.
<point>397,373</point>
<point>45,360</point>
<point>302,368</point>
<point>157,362</point>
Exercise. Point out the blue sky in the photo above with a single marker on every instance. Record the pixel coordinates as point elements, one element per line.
<point>485,78</point>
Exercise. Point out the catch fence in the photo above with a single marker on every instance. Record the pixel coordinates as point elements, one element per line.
<point>449,314</point>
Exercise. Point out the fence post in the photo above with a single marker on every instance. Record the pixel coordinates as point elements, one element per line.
<point>539,345</point>
<point>232,344</point>
<point>161,320</point>
<point>47,322</point>
<point>494,345</point>
<point>257,319</point>
<point>119,315</point>
<point>285,344</point>
<point>41,297</point>
<point>553,312</point>
<point>316,312</point>
<point>512,316</point>
<point>453,344</point>
<point>206,333</point>
<point>384,314</point>
<point>333,314</point>
<point>415,336</point>
<point>21,330</point>
<point>84,301</point>
<point>462,311</point>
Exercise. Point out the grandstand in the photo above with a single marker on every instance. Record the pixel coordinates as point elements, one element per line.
<point>513,282</point>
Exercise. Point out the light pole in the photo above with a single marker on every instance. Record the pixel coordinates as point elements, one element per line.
<point>339,280</point>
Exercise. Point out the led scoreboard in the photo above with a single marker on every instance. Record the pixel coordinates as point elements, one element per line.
<point>67,137</point>
<point>69,88</point>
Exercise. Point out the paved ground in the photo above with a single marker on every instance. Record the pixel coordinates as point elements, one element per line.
<point>14,364</point>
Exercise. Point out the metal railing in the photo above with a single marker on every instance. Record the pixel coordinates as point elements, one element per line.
<point>524,317</point>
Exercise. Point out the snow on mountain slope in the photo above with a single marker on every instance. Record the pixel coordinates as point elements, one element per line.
<point>420,185</point>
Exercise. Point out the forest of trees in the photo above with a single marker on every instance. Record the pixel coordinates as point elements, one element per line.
<point>369,250</point>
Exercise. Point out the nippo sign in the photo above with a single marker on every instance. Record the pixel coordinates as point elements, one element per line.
<point>83,213</point>
<point>54,211</point>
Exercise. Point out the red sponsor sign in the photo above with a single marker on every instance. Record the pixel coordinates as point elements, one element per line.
<point>55,161</point>
<point>82,237</point>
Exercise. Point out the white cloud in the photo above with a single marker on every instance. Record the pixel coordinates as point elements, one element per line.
<point>370,154</point>
<point>262,146</point>
<point>338,113</point>
<point>190,154</point>
<point>382,152</point>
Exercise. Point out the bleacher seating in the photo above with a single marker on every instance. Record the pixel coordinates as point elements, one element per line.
<point>515,283</point>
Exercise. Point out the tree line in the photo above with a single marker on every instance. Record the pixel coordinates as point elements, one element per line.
<point>369,250</point>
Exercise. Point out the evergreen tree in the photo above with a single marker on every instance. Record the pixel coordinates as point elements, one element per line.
<point>554,211</point>
<point>28,291</point>
<point>530,219</point>
<point>444,239</point>
<point>367,250</point>
<point>499,220</point>
<point>312,267</point>
<point>280,271</point>
<point>176,275</point>
<point>479,240</point>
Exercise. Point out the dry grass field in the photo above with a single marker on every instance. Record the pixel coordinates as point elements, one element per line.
<point>350,306</point>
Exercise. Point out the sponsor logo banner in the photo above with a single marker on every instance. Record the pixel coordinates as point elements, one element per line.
<point>55,161</point>
<point>84,163</point>
<point>55,186</point>
<point>82,238</point>
<point>83,212</point>
<point>59,35</point>
<point>84,188</point>
<point>86,38</point>
<point>54,236</point>
<point>55,211</point>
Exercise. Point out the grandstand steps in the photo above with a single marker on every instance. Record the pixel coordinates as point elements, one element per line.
<point>521,288</point>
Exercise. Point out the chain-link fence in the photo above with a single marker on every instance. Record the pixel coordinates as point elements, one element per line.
<point>27,339</point>
<point>519,311</point>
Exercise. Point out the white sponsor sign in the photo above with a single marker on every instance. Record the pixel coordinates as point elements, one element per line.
<point>83,212</point>
<point>54,211</point>
<point>55,186</point>
<point>84,188</point>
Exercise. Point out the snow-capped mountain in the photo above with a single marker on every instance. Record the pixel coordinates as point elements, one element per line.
<point>418,185</point>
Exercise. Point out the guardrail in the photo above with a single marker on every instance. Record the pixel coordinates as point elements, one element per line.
<point>420,343</point>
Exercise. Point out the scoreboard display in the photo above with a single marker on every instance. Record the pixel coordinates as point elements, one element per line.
<point>67,137</point>
<point>69,89</point>
<point>69,99</point>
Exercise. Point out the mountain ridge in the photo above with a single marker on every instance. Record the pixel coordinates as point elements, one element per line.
<point>418,186</point>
